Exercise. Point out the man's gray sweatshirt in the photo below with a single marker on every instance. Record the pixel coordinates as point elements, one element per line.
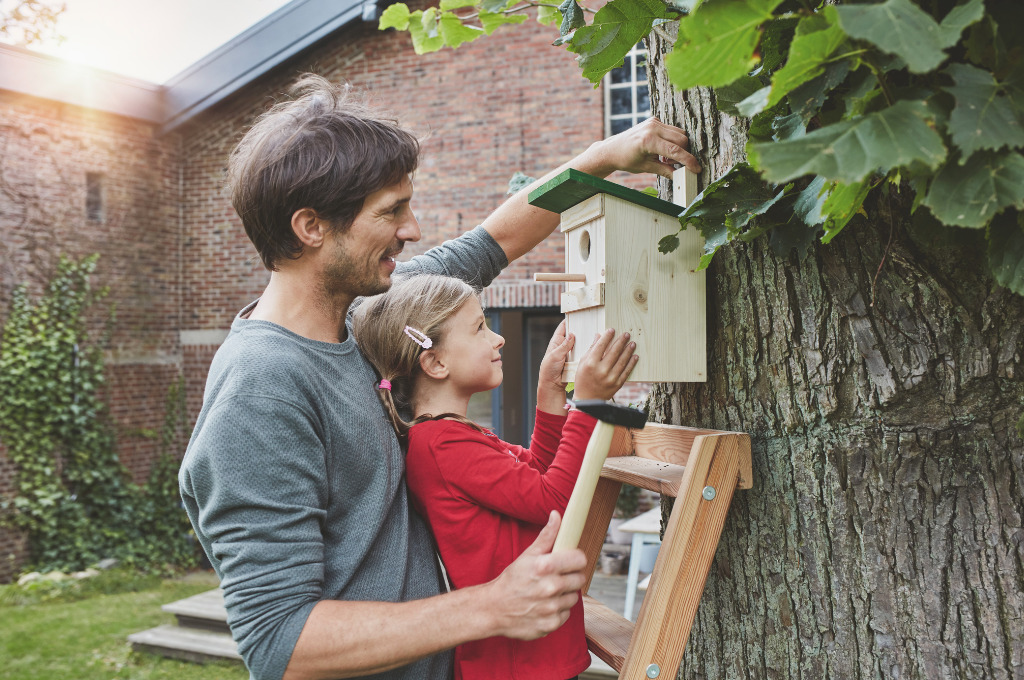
<point>295,482</point>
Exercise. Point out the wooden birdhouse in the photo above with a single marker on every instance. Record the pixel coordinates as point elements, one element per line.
<point>616,278</point>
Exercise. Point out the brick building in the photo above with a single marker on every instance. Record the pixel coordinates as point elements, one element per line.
<point>95,162</point>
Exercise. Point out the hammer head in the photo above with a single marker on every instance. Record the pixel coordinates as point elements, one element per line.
<point>613,414</point>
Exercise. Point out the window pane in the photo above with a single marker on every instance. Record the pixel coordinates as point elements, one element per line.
<point>539,330</point>
<point>622,73</point>
<point>480,411</point>
<point>643,99</point>
<point>622,101</point>
<point>93,196</point>
<point>621,125</point>
<point>641,70</point>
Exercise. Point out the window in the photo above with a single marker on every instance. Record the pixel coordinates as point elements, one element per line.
<point>485,407</point>
<point>627,100</point>
<point>509,409</point>
<point>93,196</point>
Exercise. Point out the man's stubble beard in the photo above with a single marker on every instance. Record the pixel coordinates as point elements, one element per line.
<point>342,278</point>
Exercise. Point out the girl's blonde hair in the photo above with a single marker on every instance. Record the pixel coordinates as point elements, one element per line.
<point>425,303</point>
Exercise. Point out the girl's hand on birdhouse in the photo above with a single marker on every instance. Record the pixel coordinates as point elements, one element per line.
<point>550,386</point>
<point>651,146</point>
<point>605,367</point>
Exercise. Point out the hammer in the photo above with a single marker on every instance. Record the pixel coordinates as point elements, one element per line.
<point>608,416</point>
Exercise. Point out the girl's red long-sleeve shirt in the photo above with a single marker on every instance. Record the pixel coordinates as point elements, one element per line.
<point>486,501</point>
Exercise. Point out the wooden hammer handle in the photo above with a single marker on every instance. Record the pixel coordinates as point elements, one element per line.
<point>576,511</point>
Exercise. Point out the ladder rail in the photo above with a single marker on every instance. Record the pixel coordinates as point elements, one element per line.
<point>675,461</point>
<point>687,551</point>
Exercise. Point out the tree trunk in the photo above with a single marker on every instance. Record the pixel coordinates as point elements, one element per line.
<point>880,378</point>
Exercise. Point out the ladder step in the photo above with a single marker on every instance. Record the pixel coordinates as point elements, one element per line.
<point>608,632</point>
<point>653,475</point>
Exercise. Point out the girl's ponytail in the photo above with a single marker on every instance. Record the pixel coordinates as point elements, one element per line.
<point>387,399</point>
<point>422,304</point>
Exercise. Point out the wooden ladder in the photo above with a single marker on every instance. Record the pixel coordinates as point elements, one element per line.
<point>700,469</point>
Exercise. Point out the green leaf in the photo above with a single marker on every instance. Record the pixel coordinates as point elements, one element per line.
<point>519,182</point>
<point>809,97</point>
<point>717,43</point>
<point>726,206</point>
<point>987,114</point>
<point>491,22</point>
<point>457,4</point>
<point>755,103</point>
<point>862,94</point>
<point>817,37</point>
<point>843,202</point>
<point>743,214</point>
<point>902,28</point>
<point>616,28</point>
<point>572,17</point>
<point>790,235</point>
<point>423,29</point>
<point>959,18</point>
<point>455,32</point>
<point>728,96</point>
<point>549,16</point>
<point>1006,250</point>
<point>970,194</point>
<point>982,44</point>
<point>788,127</point>
<point>775,41</point>
<point>668,244</point>
<point>395,16</point>
<point>849,151</point>
<point>493,6</point>
<point>810,201</point>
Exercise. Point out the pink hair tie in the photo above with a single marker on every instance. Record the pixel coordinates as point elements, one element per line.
<point>385,385</point>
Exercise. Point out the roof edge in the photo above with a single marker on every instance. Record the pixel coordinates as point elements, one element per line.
<point>39,75</point>
<point>254,52</point>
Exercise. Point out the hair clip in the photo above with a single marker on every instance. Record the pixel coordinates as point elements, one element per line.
<point>419,337</point>
<point>385,385</point>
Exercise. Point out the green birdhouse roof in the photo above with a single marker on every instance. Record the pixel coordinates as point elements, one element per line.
<point>572,187</point>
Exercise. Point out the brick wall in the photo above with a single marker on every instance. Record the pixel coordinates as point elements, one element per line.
<point>47,149</point>
<point>176,256</point>
<point>507,102</point>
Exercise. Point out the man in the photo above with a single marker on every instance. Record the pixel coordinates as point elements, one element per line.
<point>293,479</point>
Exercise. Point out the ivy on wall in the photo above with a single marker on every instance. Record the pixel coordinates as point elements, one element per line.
<point>843,99</point>
<point>74,498</point>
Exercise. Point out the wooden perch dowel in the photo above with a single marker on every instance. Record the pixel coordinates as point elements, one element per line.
<point>563,277</point>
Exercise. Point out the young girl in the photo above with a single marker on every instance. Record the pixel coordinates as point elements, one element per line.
<point>485,500</point>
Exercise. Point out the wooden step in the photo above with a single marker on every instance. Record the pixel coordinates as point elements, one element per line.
<point>205,610</point>
<point>188,644</point>
<point>653,475</point>
<point>608,632</point>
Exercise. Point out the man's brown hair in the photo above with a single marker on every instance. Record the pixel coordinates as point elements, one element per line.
<point>320,150</point>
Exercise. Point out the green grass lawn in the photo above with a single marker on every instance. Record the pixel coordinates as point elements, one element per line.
<point>82,635</point>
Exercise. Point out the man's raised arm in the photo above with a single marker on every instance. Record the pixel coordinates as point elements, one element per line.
<point>651,146</point>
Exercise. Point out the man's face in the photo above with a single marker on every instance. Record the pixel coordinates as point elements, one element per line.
<point>362,259</point>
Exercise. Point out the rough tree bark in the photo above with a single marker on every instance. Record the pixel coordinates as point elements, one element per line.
<point>880,378</point>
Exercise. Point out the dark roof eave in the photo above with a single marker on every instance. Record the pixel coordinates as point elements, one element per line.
<point>283,34</point>
<point>291,29</point>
